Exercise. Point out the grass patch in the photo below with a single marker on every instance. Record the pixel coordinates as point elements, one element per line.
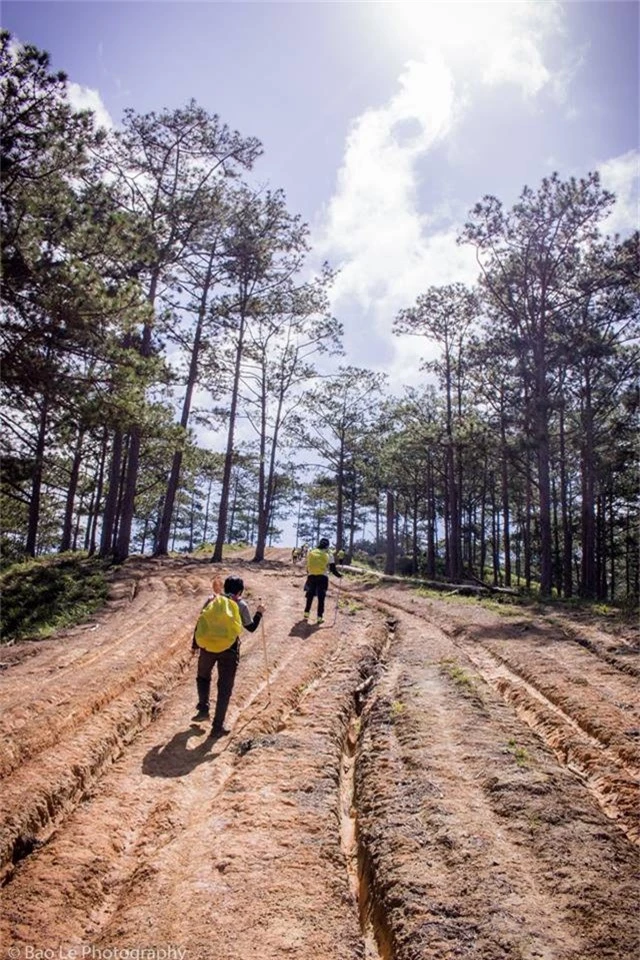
<point>368,578</point>
<point>455,672</point>
<point>41,596</point>
<point>607,617</point>
<point>235,547</point>
<point>506,606</point>
<point>519,754</point>
<point>466,684</point>
<point>206,549</point>
<point>350,607</point>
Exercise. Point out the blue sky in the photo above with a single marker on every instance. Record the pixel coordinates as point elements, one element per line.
<point>383,122</point>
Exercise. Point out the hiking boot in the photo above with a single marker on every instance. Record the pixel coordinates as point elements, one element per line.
<point>320,620</point>
<point>217,732</point>
<point>202,713</point>
<point>305,615</point>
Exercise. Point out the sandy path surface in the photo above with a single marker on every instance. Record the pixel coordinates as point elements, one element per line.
<point>419,779</point>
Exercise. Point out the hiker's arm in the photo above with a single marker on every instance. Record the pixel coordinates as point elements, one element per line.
<point>254,623</point>
<point>334,570</point>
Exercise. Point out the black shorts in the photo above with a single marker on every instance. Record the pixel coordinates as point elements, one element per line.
<point>317,585</point>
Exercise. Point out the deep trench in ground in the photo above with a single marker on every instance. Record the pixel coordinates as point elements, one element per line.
<point>376,934</point>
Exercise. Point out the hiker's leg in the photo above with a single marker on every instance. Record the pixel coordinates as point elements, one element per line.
<point>204,688</point>
<point>311,592</point>
<point>227,666</point>
<point>206,661</point>
<point>323,585</point>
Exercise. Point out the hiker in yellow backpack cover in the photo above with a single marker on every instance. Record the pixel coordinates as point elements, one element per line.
<point>319,562</point>
<point>217,636</point>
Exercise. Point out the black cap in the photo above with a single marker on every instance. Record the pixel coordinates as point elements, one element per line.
<point>324,543</point>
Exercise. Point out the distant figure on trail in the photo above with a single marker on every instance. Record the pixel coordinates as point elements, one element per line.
<point>217,636</point>
<point>319,562</point>
<point>340,555</point>
<point>298,553</point>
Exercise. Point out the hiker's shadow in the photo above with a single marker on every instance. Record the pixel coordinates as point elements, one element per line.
<point>302,629</point>
<point>175,759</point>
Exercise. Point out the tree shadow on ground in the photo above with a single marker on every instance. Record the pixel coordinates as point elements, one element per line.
<point>175,759</point>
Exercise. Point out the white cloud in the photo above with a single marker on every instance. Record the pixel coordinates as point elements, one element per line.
<point>512,46</point>
<point>371,224</point>
<point>85,98</point>
<point>500,42</point>
<point>621,175</point>
<point>388,249</point>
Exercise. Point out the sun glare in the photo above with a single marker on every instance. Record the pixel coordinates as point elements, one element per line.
<point>496,41</point>
<point>473,30</point>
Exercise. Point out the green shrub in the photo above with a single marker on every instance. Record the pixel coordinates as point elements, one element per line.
<point>40,596</point>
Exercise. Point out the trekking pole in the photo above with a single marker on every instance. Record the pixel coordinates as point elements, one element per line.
<point>264,648</point>
<point>335,612</point>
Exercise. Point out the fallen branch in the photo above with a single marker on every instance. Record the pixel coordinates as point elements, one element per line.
<point>462,589</point>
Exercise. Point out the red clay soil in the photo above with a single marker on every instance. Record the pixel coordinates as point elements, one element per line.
<point>416,779</point>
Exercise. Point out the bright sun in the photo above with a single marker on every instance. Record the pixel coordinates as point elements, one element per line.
<point>472,29</point>
<point>495,41</point>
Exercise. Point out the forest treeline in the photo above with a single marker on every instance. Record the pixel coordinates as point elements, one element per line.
<point>158,304</point>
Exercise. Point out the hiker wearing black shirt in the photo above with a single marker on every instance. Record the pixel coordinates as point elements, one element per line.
<point>222,647</point>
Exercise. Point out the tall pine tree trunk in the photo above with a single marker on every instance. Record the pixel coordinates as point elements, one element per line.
<point>263,520</point>
<point>67,526</point>
<point>95,512</point>
<point>526,531</point>
<point>544,491</point>
<point>205,530</point>
<point>228,459</point>
<point>557,558</point>
<point>483,528</point>
<point>612,549</point>
<point>36,481</point>
<point>192,378</point>
<point>589,579</point>
<point>565,515</point>
<point>128,497</point>
<point>431,522</point>
<point>111,502</point>
<point>390,555</point>
<point>414,532</point>
<point>266,492</point>
<point>121,485</point>
<point>506,516</point>
<point>340,495</point>
<point>455,545</point>
<point>352,520</point>
<point>128,503</point>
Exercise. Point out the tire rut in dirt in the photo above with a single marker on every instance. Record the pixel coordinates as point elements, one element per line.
<point>81,701</point>
<point>593,734</point>
<point>128,853</point>
<point>478,843</point>
<point>609,771</point>
<point>39,795</point>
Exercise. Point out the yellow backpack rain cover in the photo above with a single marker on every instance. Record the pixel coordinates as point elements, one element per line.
<point>317,561</point>
<point>219,624</point>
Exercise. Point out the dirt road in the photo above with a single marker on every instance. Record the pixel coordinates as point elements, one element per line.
<point>421,779</point>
